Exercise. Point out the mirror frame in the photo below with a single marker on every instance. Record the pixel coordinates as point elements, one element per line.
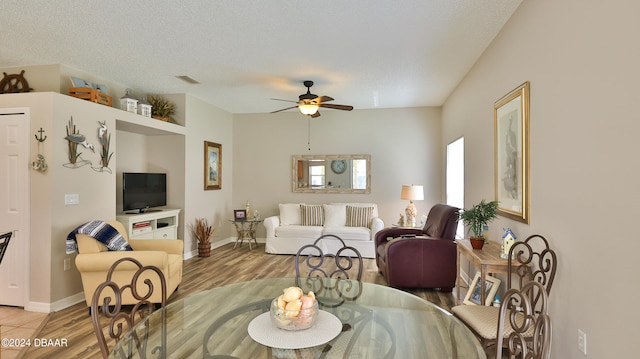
<point>294,173</point>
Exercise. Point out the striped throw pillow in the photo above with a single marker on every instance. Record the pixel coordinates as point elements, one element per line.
<point>359,216</point>
<point>312,215</point>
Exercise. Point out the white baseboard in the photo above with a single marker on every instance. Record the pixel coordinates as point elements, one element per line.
<point>55,306</point>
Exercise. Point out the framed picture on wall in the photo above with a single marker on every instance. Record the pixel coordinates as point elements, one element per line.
<point>511,153</point>
<point>212,165</point>
<point>474,293</point>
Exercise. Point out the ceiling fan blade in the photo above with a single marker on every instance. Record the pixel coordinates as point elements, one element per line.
<point>284,109</point>
<point>277,99</point>
<point>317,114</point>
<point>324,99</point>
<point>337,107</point>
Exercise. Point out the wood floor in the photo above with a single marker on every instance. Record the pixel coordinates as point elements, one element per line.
<point>225,266</point>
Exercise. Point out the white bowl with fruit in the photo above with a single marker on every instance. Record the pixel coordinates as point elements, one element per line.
<point>294,310</point>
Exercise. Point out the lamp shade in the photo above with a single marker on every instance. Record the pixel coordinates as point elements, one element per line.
<point>308,108</point>
<point>412,192</point>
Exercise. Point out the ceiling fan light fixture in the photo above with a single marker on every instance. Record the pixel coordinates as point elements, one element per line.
<point>308,108</point>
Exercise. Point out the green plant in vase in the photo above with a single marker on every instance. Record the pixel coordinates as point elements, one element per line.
<point>477,217</point>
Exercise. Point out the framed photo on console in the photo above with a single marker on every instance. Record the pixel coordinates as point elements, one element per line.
<point>511,153</point>
<point>474,294</point>
<point>212,165</point>
<point>240,214</point>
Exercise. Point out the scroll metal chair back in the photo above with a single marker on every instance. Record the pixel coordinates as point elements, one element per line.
<point>532,260</point>
<point>320,264</point>
<point>4,243</point>
<point>524,325</point>
<point>107,303</point>
<point>327,274</point>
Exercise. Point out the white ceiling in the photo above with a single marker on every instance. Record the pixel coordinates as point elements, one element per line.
<point>365,53</point>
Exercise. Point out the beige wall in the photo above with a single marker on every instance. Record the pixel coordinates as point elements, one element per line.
<point>208,123</point>
<point>581,58</point>
<point>404,145</point>
<point>50,219</point>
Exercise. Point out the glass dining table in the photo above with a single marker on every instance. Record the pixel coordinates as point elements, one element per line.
<point>375,321</point>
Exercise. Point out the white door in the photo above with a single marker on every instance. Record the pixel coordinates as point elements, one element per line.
<point>14,204</point>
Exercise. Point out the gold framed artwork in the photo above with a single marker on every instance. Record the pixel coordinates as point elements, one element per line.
<point>511,153</point>
<point>212,165</point>
<point>491,285</point>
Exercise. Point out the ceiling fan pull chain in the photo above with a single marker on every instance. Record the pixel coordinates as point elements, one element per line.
<point>309,132</point>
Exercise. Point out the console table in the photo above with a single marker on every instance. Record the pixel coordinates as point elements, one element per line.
<point>487,259</point>
<point>246,229</point>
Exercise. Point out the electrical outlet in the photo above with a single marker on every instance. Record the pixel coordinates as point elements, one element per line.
<point>582,342</point>
<point>67,264</point>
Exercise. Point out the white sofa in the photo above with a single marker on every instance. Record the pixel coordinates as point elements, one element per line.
<point>356,223</point>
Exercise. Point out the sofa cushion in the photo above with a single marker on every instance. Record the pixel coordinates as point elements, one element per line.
<point>357,233</point>
<point>290,214</point>
<point>335,215</point>
<point>359,216</point>
<point>374,214</point>
<point>299,232</point>
<point>312,215</point>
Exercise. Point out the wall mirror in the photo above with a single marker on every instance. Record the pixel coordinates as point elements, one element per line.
<point>331,173</point>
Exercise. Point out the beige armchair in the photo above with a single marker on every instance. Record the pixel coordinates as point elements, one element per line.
<point>94,260</point>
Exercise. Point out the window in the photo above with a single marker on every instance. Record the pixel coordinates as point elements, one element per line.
<point>455,178</point>
<point>316,173</point>
<point>359,174</point>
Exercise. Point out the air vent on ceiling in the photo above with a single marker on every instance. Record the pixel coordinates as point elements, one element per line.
<point>188,79</point>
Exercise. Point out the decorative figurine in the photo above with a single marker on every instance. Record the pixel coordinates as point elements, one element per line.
<point>508,238</point>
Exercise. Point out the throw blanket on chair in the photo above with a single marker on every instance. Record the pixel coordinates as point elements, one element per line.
<point>104,233</point>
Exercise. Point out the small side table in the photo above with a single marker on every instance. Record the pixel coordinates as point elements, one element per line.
<point>487,259</point>
<point>246,230</point>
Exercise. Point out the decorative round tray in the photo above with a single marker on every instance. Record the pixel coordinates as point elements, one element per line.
<point>327,327</point>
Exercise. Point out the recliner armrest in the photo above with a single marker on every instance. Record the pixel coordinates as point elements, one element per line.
<point>391,232</point>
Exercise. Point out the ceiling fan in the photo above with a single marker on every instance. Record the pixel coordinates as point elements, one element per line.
<point>309,103</point>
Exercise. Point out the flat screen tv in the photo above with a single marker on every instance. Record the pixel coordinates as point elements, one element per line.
<point>142,191</point>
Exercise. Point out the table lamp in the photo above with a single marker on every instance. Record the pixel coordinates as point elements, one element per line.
<point>412,193</point>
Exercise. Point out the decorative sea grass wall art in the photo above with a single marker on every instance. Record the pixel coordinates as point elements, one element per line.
<point>105,140</point>
<point>75,138</point>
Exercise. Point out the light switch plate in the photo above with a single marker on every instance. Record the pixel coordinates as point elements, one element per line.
<point>71,199</point>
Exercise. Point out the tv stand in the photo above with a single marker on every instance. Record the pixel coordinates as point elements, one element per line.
<point>151,224</point>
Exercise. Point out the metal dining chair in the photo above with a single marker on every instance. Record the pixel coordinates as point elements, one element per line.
<point>531,260</point>
<point>322,263</point>
<point>524,325</point>
<point>4,243</point>
<point>107,304</point>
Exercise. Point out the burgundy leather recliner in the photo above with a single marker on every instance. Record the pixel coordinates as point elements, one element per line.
<point>427,260</point>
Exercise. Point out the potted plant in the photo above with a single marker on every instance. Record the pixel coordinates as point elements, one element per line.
<point>161,108</point>
<point>476,218</point>
<point>203,232</point>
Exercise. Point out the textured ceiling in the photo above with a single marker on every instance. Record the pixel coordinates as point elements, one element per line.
<point>369,54</point>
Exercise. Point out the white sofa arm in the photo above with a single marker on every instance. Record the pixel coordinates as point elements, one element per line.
<point>271,223</point>
<point>376,225</point>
